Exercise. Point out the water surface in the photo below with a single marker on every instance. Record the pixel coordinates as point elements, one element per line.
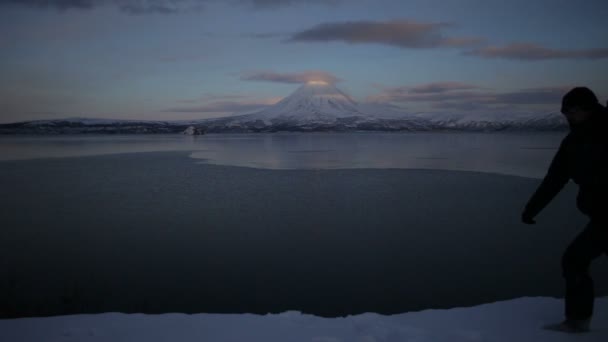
<point>520,154</point>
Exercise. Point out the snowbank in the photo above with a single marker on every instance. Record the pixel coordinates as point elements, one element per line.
<point>515,320</point>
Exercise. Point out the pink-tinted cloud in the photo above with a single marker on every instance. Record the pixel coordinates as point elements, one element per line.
<point>461,96</point>
<point>536,52</point>
<point>428,92</point>
<point>293,78</point>
<point>400,33</point>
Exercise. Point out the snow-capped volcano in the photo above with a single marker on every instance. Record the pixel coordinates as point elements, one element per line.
<point>312,101</point>
<point>314,106</point>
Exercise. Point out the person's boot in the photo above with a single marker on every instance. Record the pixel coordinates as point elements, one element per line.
<point>572,326</point>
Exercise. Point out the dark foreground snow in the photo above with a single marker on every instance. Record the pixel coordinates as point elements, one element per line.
<point>514,320</point>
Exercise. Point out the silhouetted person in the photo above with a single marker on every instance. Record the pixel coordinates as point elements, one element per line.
<point>583,158</point>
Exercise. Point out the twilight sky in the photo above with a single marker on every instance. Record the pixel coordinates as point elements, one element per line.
<point>188,59</point>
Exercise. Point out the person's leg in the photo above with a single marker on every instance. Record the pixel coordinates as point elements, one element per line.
<point>575,266</point>
<point>603,226</point>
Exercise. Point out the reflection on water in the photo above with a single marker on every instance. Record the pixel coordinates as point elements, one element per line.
<point>522,154</point>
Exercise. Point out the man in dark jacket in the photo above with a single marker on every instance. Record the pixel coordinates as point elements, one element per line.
<point>583,158</point>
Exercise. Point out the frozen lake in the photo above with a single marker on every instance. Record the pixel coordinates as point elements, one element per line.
<point>325,223</point>
<point>520,154</point>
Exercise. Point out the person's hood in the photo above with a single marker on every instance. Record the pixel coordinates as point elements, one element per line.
<point>597,119</point>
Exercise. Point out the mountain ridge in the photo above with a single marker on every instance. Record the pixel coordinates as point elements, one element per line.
<point>314,106</point>
<point>320,106</point>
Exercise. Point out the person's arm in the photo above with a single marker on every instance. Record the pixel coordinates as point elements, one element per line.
<point>552,184</point>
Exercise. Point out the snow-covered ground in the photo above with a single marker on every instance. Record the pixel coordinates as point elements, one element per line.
<point>514,320</point>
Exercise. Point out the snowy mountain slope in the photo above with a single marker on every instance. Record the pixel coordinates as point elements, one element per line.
<point>311,102</point>
<point>494,121</point>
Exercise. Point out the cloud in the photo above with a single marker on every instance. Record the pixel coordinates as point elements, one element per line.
<point>463,106</point>
<point>215,98</point>
<point>437,91</point>
<point>225,106</point>
<point>531,96</point>
<point>153,6</point>
<point>159,6</point>
<point>440,87</point>
<point>461,96</point>
<point>400,33</point>
<point>265,4</point>
<point>302,77</point>
<point>535,52</point>
<point>128,6</point>
<point>58,4</point>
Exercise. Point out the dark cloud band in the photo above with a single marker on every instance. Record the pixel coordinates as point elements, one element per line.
<point>535,52</point>
<point>400,33</point>
<point>130,6</point>
<point>153,6</point>
<point>58,4</point>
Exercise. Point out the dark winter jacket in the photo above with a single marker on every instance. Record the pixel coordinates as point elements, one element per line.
<point>583,158</point>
